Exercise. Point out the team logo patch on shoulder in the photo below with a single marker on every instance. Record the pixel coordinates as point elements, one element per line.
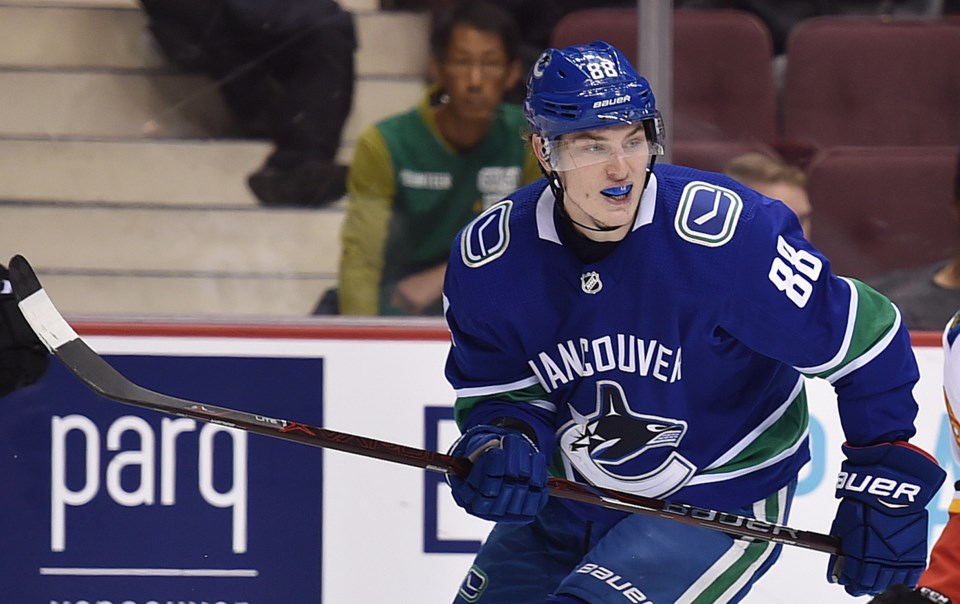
<point>708,214</point>
<point>486,237</point>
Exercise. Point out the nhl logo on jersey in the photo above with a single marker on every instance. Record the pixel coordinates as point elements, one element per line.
<point>590,282</point>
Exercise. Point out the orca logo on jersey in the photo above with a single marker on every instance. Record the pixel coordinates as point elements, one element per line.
<point>707,214</point>
<point>616,434</point>
<point>487,236</point>
<point>606,446</point>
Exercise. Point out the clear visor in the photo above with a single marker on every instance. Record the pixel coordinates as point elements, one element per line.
<point>580,150</point>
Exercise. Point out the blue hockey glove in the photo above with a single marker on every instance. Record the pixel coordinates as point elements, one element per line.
<point>508,480</point>
<point>882,518</point>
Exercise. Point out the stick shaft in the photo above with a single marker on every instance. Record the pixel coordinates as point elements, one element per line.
<point>108,382</point>
<point>94,371</point>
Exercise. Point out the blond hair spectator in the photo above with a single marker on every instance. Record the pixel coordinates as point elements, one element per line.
<point>775,179</point>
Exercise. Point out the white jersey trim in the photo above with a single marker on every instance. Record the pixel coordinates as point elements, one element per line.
<point>496,388</point>
<point>785,454</point>
<point>648,204</point>
<point>545,225</point>
<point>547,230</point>
<point>501,388</point>
<point>542,404</point>
<point>751,437</point>
<point>847,336</point>
<point>874,351</point>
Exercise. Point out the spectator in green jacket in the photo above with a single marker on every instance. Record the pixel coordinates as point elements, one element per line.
<point>418,177</point>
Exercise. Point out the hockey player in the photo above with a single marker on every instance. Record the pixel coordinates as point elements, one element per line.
<point>23,359</point>
<point>940,583</point>
<point>647,329</point>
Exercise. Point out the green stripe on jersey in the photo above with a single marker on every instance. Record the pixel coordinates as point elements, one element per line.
<point>465,404</point>
<point>776,438</point>
<point>876,316</point>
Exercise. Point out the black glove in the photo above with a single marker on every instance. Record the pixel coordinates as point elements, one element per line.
<point>901,594</point>
<point>23,359</point>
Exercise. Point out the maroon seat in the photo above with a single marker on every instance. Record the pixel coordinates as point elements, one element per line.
<point>715,155</point>
<point>870,81</point>
<point>877,209</point>
<point>722,68</point>
<point>618,26</point>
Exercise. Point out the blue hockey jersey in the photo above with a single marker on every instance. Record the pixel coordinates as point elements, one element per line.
<point>673,366</point>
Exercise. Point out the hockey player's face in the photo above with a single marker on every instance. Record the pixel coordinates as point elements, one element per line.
<point>475,73</point>
<point>604,176</point>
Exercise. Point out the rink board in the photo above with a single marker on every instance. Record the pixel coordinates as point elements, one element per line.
<point>105,503</point>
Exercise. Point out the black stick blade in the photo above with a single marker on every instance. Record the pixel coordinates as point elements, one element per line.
<point>23,277</point>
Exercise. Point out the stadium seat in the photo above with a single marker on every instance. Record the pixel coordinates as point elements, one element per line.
<point>722,73</point>
<point>877,209</point>
<point>870,81</point>
<point>713,156</point>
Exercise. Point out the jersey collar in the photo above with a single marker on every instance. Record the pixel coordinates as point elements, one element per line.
<point>547,229</point>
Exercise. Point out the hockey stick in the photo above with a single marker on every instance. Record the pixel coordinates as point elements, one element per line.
<point>54,331</point>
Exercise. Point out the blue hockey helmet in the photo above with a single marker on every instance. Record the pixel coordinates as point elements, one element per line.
<point>583,87</point>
